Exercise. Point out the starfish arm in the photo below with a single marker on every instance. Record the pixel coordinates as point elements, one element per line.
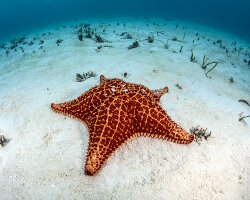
<point>103,80</point>
<point>108,129</point>
<point>159,93</point>
<point>84,105</point>
<point>153,121</point>
<point>153,94</point>
<point>100,149</point>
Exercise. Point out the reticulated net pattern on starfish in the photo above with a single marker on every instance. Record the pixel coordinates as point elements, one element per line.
<point>116,111</point>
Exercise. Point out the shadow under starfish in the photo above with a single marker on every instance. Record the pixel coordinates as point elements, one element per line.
<point>116,111</point>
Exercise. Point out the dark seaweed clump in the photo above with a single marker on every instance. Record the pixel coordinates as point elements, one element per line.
<point>134,45</point>
<point>59,41</point>
<point>200,134</point>
<point>98,38</point>
<point>15,42</point>
<point>3,140</point>
<point>178,86</point>
<point>91,34</point>
<point>82,77</point>
<point>128,36</point>
<point>150,39</point>
<point>231,79</point>
<point>175,39</point>
<point>80,35</point>
<point>192,58</point>
<point>89,31</point>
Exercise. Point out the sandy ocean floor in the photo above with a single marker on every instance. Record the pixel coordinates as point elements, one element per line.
<point>45,156</point>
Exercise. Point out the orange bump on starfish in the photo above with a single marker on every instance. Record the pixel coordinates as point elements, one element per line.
<point>116,111</point>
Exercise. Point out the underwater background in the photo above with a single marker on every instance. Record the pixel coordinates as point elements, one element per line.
<point>52,51</point>
<point>229,15</point>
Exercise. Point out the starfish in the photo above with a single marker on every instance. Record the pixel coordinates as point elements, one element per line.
<point>115,112</point>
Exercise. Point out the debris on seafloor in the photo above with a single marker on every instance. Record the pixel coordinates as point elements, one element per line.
<point>243,117</point>
<point>99,39</point>
<point>219,41</point>
<point>165,44</point>
<point>244,101</point>
<point>231,80</point>
<point>200,134</point>
<point>59,41</point>
<point>160,33</point>
<point>215,64</point>
<point>178,86</point>
<point>192,58</point>
<point>150,39</point>
<point>89,32</point>
<point>181,49</point>
<point>205,62</point>
<point>174,38</point>
<point>3,140</point>
<point>134,45</point>
<point>80,35</point>
<point>183,37</point>
<point>82,77</point>
<point>123,33</point>
<point>7,52</point>
<point>127,36</point>
<point>98,49</point>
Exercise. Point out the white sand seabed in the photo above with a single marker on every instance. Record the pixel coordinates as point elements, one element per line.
<point>46,154</point>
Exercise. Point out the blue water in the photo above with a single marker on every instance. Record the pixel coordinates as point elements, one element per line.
<point>20,15</point>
